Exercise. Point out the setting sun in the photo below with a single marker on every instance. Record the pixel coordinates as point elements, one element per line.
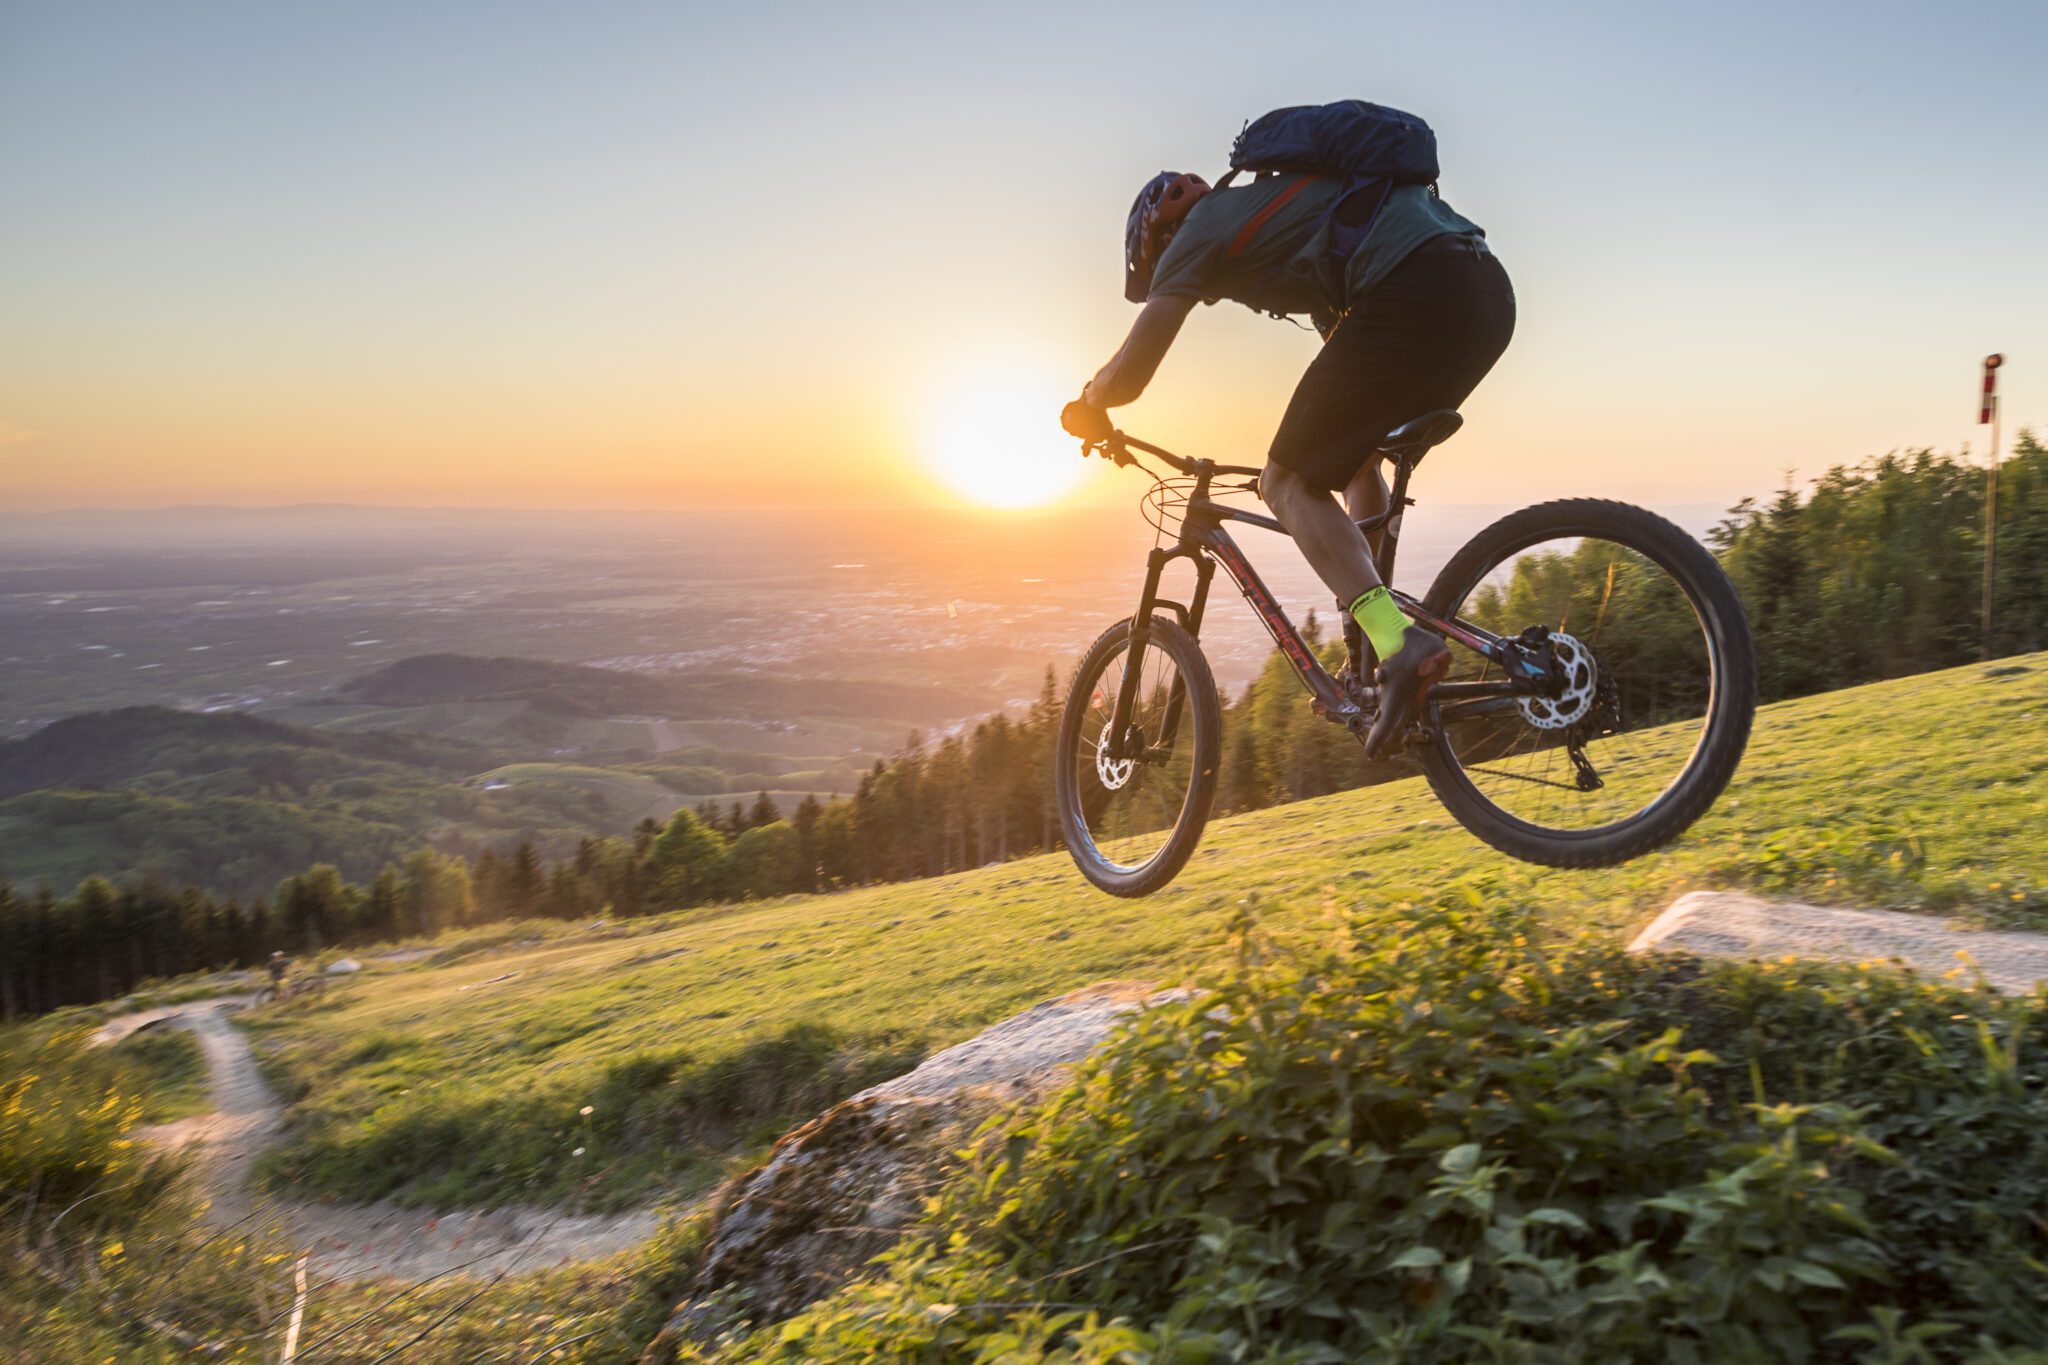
<point>997,442</point>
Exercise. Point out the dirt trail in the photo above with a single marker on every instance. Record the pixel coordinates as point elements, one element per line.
<point>354,1241</point>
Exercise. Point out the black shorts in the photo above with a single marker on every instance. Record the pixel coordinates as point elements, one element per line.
<point>1420,339</point>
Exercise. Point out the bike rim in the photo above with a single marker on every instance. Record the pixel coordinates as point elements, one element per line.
<point>1638,724</point>
<point>1128,806</point>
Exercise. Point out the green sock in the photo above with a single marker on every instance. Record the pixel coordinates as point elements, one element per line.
<point>1380,617</point>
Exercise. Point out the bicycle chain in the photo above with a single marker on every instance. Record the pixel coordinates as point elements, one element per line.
<point>1606,697</point>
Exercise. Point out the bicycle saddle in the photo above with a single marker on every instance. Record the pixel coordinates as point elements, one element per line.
<point>1413,438</point>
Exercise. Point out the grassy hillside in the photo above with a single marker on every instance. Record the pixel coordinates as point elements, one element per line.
<point>462,1077</point>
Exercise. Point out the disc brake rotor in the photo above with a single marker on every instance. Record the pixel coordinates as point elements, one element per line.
<point>1582,679</point>
<point>1113,772</point>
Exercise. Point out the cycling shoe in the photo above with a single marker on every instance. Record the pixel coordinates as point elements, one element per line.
<point>1403,682</point>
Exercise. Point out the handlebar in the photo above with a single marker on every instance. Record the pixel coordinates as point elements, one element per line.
<point>1118,449</point>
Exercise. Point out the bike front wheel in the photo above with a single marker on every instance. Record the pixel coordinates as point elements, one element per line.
<point>1133,813</point>
<point>1659,685</point>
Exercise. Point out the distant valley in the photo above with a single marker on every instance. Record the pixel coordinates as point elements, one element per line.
<point>224,696</point>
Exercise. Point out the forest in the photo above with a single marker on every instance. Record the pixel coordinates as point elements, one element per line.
<point>1872,573</point>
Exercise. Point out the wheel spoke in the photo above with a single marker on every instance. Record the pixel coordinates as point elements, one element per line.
<point>1642,638</point>
<point>1123,816</point>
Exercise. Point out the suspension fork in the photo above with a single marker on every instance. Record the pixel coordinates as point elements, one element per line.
<point>1188,546</point>
<point>1190,617</point>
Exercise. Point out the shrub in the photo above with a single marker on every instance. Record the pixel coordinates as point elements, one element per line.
<point>1446,1140</point>
<point>65,1111</point>
<point>101,1257</point>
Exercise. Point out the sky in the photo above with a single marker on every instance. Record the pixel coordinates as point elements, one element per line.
<point>688,255</point>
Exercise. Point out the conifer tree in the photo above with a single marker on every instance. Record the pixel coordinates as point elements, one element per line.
<point>686,861</point>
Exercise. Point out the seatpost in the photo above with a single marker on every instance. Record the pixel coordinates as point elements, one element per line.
<point>1398,502</point>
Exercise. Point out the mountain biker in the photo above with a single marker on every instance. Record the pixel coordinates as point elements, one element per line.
<point>279,964</point>
<point>1411,322</point>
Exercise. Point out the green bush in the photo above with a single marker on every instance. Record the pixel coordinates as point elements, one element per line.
<point>101,1257</point>
<point>1448,1140</point>
<point>65,1111</point>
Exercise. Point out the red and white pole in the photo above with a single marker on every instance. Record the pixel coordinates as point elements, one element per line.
<point>1987,411</point>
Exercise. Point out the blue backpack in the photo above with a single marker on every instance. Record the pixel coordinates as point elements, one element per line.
<point>1349,138</point>
<point>1369,146</point>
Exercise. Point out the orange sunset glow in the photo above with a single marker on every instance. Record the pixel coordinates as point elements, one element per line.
<point>562,276</point>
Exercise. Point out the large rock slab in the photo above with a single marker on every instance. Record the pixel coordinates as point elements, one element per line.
<point>1735,924</point>
<point>840,1189</point>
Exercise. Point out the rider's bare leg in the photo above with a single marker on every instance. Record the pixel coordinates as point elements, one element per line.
<point>1364,499</point>
<point>1336,549</point>
<point>1329,540</point>
<point>1367,497</point>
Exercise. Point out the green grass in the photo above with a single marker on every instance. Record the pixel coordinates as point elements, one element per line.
<point>168,1068</point>
<point>103,1256</point>
<point>451,1085</point>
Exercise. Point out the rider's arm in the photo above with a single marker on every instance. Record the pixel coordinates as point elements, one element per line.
<point>1137,360</point>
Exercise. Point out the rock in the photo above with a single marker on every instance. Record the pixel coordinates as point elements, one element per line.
<point>343,966</point>
<point>840,1189</point>
<point>1733,924</point>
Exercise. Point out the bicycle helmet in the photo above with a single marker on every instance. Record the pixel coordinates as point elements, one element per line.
<point>1160,206</point>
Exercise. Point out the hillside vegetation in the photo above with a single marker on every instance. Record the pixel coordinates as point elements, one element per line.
<point>1429,1112</point>
<point>1441,1134</point>
<point>234,802</point>
<point>447,751</point>
<point>462,1078</point>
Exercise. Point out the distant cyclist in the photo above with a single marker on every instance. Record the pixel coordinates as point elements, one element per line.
<point>1412,317</point>
<point>279,966</point>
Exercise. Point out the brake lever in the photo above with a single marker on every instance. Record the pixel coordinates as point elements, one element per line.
<point>1112,449</point>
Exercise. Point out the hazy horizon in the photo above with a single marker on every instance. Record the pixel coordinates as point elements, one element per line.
<point>671,257</point>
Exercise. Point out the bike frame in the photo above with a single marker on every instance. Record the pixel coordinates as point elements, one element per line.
<point>1205,543</point>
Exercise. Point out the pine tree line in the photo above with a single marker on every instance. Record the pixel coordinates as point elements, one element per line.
<point>1874,574</point>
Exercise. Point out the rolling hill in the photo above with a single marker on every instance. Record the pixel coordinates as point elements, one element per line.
<point>235,802</point>
<point>698,732</point>
<point>166,749</point>
<point>457,751</point>
<point>578,690</point>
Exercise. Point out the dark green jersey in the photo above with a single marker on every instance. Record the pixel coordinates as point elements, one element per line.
<point>1265,243</point>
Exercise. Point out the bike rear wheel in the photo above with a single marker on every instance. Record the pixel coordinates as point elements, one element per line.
<point>1132,819</point>
<point>1661,693</point>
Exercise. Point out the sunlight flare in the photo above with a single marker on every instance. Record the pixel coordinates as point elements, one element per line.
<point>996,440</point>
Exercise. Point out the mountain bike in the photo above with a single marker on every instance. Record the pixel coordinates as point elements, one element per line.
<point>1603,685</point>
<point>289,989</point>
